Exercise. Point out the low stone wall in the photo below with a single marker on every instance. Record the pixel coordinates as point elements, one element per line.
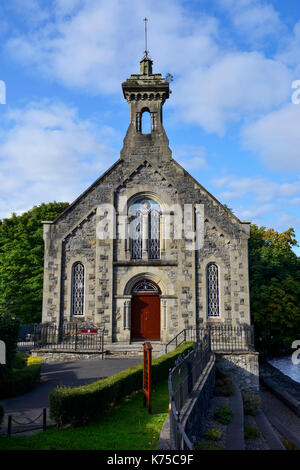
<point>57,356</point>
<point>242,366</point>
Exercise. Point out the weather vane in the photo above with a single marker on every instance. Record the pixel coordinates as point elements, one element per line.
<point>146,50</point>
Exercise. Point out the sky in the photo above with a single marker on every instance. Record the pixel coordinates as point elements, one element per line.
<point>232,119</point>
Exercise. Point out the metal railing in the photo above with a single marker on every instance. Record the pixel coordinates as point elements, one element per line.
<point>182,380</point>
<point>26,424</point>
<point>26,334</point>
<point>69,337</point>
<point>223,337</point>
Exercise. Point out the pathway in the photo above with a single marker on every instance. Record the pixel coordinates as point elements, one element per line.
<point>73,374</point>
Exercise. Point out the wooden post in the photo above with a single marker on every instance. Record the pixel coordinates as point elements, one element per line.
<point>147,376</point>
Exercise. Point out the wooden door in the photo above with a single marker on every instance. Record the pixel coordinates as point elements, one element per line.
<point>145,317</point>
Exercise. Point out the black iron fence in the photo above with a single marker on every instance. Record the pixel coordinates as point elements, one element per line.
<point>182,380</point>
<point>223,337</point>
<point>26,334</point>
<point>68,337</point>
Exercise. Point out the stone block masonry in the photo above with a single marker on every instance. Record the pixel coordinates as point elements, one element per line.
<point>243,367</point>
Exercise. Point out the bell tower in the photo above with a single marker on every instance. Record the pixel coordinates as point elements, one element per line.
<point>146,92</point>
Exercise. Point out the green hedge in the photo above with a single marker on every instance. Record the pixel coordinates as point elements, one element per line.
<point>79,405</point>
<point>18,382</point>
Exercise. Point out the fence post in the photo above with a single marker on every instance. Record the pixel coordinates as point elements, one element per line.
<point>76,332</point>
<point>102,341</point>
<point>9,425</point>
<point>184,334</point>
<point>44,419</point>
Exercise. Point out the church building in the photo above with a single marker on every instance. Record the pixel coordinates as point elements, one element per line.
<point>146,250</point>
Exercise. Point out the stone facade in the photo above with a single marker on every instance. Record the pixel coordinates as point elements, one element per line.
<point>145,170</point>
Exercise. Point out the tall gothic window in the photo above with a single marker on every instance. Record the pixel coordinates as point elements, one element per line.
<point>145,212</point>
<point>136,234</point>
<point>78,289</point>
<point>154,234</point>
<point>212,279</point>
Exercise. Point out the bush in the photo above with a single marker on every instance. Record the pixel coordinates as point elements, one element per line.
<point>34,360</point>
<point>223,387</point>
<point>1,413</point>
<point>79,405</point>
<point>209,446</point>
<point>251,403</point>
<point>18,382</point>
<point>289,445</point>
<point>19,361</point>
<point>223,414</point>
<point>220,375</point>
<point>251,432</point>
<point>213,434</point>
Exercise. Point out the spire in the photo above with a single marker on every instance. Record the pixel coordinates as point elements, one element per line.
<point>146,62</point>
<point>146,50</point>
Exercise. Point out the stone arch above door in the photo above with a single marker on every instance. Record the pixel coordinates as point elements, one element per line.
<point>158,277</point>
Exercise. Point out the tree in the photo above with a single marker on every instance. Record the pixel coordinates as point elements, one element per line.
<point>274,289</point>
<point>22,261</point>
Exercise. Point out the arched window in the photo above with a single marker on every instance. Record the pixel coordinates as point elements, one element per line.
<point>146,122</point>
<point>145,212</point>
<point>154,234</point>
<point>78,289</point>
<point>212,280</point>
<point>136,234</point>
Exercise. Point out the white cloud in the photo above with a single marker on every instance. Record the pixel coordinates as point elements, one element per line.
<point>253,19</point>
<point>237,85</point>
<point>191,157</point>
<point>276,137</point>
<point>290,49</point>
<point>261,200</point>
<point>98,44</point>
<point>259,189</point>
<point>49,154</point>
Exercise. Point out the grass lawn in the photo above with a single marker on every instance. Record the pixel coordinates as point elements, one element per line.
<point>127,426</point>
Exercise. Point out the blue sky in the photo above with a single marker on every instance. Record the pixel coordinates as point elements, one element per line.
<point>230,118</point>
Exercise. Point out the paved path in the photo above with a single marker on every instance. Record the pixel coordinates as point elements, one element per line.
<point>284,416</point>
<point>71,374</point>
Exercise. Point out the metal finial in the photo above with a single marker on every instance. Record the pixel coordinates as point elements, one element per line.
<point>146,50</point>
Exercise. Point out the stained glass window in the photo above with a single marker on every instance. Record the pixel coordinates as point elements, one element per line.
<point>145,286</point>
<point>154,234</point>
<point>138,210</point>
<point>78,289</point>
<point>136,235</point>
<point>212,277</point>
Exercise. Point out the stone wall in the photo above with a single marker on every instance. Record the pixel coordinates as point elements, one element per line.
<point>243,367</point>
